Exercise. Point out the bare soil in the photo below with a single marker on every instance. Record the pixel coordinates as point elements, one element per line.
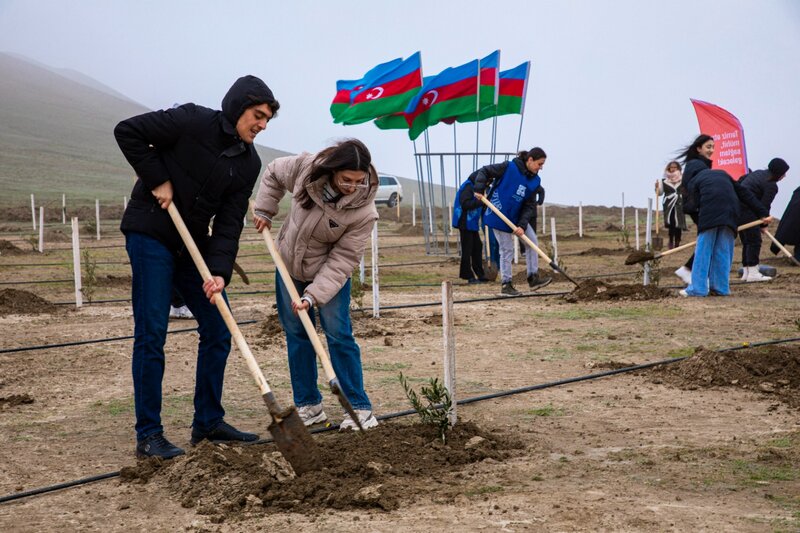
<point>709,443</point>
<point>19,302</point>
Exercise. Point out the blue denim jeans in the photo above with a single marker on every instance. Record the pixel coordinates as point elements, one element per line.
<point>712,262</point>
<point>344,351</point>
<point>155,271</point>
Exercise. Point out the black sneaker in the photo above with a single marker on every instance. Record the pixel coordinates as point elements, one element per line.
<point>509,290</point>
<point>536,282</point>
<point>223,432</point>
<point>157,445</point>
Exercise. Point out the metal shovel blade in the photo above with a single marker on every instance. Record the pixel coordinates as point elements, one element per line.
<point>554,266</point>
<point>293,439</point>
<point>337,390</point>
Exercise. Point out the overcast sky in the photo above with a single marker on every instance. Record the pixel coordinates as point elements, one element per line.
<point>608,97</point>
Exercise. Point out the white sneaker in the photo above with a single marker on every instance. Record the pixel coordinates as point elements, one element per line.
<point>745,270</point>
<point>685,274</point>
<point>365,416</point>
<point>754,274</point>
<point>683,293</point>
<point>180,312</point>
<point>312,414</point>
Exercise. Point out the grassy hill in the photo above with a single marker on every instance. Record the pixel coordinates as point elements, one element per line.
<point>56,136</point>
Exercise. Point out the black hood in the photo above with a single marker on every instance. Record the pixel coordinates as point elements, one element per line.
<point>247,91</point>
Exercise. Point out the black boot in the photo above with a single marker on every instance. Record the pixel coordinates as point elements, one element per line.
<point>537,282</point>
<point>509,290</point>
<point>222,432</point>
<point>157,445</point>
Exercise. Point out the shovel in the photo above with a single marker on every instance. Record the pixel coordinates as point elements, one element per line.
<point>642,256</point>
<point>291,436</point>
<point>526,240</point>
<point>781,247</point>
<point>333,381</point>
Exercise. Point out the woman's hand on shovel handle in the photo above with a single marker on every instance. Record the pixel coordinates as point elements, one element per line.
<point>261,223</point>
<point>519,232</point>
<point>213,286</point>
<point>302,305</point>
<point>767,220</point>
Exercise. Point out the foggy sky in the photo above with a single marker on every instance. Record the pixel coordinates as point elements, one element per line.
<point>608,97</point>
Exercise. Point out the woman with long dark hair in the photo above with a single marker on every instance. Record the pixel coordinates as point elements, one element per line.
<point>696,158</point>
<point>670,187</point>
<point>516,190</point>
<point>322,240</point>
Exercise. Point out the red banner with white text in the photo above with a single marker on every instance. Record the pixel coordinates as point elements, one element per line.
<point>730,154</point>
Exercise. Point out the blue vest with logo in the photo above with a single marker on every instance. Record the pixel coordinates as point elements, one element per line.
<point>473,216</point>
<point>508,195</point>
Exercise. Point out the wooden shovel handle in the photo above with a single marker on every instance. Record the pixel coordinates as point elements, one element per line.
<point>690,244</point>
<point>781,247</point>
<point>303,314</point>
<point>236,333</point>
<point>513,226</point>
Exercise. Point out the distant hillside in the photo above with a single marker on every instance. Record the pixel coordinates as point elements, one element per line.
<point>56,135</point>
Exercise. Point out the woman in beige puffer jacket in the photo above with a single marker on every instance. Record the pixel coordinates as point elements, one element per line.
<point>322,240</point>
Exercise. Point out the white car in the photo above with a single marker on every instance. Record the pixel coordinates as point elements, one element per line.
<point>389,190</point>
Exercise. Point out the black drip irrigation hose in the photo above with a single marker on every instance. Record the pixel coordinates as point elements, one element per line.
<point>98,341</point>
<point>398,414</point>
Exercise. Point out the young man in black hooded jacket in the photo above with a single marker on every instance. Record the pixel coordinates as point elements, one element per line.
<point>205,162</point>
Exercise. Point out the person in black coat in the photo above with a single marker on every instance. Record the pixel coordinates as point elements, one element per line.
<point>717,198</point>
<point>788,231</point>
<point>696,158</point>
<point>204,161</point>
<point>764,186</point>
<point>467,218</point>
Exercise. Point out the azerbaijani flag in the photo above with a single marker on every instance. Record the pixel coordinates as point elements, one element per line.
<point>344,88</point>
<point>386,93</point>
<point>452,92</point>
<point>489,89</point>
<point>513,88</point>
<point>395,121</point>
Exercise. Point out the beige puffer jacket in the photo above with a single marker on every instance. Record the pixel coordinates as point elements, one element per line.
<point>325,243</point>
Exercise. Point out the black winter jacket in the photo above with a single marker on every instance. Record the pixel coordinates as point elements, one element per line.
<point>718,196</point>
<point>763,187</point>
<point>490,175</point>
<point>690,170</point>
<point>788,231</point>
<point>211,169</point>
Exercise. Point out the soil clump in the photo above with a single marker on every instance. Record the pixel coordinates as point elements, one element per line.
<point>17,302</point>
<point>604,251</point>
<point>9,248</point>
<point>378,470</point>
<point>596,290</point>
<point>772,370</point>
<point>15,400</point>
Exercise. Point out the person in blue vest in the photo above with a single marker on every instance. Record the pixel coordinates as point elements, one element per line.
<point>516,191</point>
<point>467,218</point>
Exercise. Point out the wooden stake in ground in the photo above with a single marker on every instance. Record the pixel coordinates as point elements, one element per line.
<point>397,205</point>
<point>553,238</point>
<point>636,226</point>
<point>515,240</point>
<point>580,219</point>
<point>544,219</point>
<point>97,216</point>
<point>63,208</point>
<point>76,262</point>
<point>376,297</point>
<point>449,334</point>
<point>648,244</point>
<point>414,209</point>
<point>361,270</point>
<point>33,212</point>
<point>41,229</point>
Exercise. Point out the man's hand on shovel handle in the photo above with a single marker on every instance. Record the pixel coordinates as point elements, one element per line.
<point>163,194</point>
<point>213,286</point>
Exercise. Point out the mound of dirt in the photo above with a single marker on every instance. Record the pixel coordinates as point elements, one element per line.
<point>381,469</point>
<point>270,331</point>
<point>408,229</point>
<point>9,248</point>
<point>596,290</point>
<point>773,370</point>
<point>17,302</point>
<point>14,400</point>
<point>604,251</point>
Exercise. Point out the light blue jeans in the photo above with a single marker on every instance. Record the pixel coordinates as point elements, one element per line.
<point>344,351</point>
<point>712,262</point>
<point>506,243</point>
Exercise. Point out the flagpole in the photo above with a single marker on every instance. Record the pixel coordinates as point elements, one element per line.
<point>494,136</point>
<point>425,226</point>
<point>432,205</point>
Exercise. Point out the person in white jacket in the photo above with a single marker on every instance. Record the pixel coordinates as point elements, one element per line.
<point>322,240</point>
